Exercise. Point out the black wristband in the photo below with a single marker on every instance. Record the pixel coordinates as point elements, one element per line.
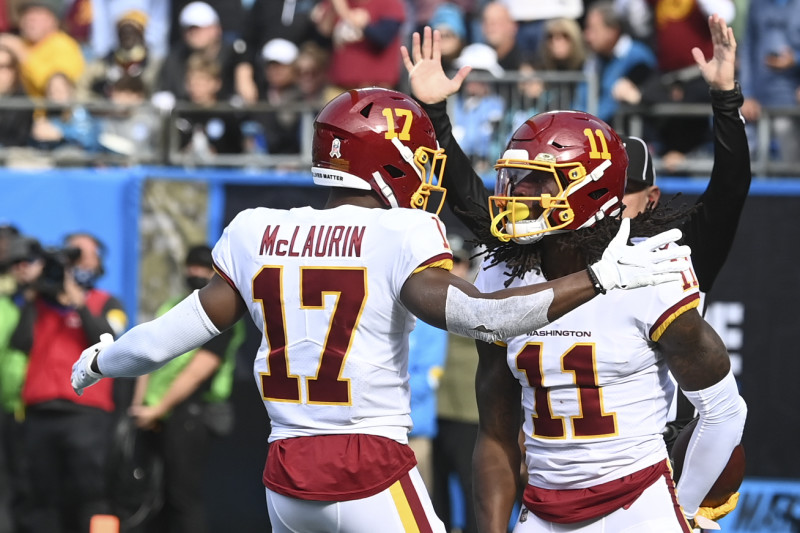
<point>598,288</point>
<point>727,99</point>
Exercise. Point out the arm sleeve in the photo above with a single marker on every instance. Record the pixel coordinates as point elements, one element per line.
<point>719,430</point>
<point>711,229</point>
<point>151,345</point>
<point>465,189</point>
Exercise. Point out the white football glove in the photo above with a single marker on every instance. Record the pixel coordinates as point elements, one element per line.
<point>625,266</point>
<point>82,374</point>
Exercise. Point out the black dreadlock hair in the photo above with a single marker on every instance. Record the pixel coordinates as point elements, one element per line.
<point>592,241</point>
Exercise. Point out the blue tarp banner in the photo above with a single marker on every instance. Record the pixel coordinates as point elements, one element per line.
<point>51,204</point>
<point>765,506</point>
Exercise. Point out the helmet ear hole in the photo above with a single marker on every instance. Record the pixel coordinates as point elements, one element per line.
<point>393,171</point>
<point>599,193</point>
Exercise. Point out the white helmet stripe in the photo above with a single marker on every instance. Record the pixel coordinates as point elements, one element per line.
<point>407,154</point>
<point>338,178</point>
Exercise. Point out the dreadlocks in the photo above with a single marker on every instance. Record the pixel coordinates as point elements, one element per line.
<point>523,258</point>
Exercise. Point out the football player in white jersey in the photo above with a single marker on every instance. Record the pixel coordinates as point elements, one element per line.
<point>333,291</point>
<point>594,384</point>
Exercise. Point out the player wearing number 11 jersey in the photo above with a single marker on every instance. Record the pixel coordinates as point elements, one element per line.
<point>334,292</point>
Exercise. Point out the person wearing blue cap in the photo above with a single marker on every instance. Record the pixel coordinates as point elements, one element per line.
<point>449,20</point>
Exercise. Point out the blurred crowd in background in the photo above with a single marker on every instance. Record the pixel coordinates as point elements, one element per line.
<point>97,77</point>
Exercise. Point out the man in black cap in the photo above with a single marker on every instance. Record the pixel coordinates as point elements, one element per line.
<point>640,188</point>
<point>710,230</point>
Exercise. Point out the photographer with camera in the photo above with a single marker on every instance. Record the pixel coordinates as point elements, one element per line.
<point>21,263</point>
<point>67,435</point>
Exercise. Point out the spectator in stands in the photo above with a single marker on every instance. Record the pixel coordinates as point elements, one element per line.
<point>205,132</point>
<point>421,12</point>
<point>131,58</point>
<point>42,49</point>
<point>312,72</point>
<point>366,42</point>
<point>68,435</point>
<point>283,19</point>
<point>638,19</point>
<point>614,57</point>
<point>72,126</point>
<point>449,20</point>
<point>769,69</point>
<point>133,129</point>
<point>478,108</point>
<point>531,17</point>
<point>281,127</point>
<point>174,403</point>
<point>563,46</point>
<point>562,50</point>
<point>106,13</point>
<point>500,32</point>
<point>15,124</point>
<point>231,18</point>
<point>202,34</point>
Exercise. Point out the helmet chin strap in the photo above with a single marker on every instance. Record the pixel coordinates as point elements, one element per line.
<point>386,191</point>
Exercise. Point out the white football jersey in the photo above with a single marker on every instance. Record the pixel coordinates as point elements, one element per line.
<point>323,286</point>
<point>595,391</point>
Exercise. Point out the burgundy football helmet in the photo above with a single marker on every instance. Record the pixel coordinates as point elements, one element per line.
<point>588,161</point>
<point>382,140</point>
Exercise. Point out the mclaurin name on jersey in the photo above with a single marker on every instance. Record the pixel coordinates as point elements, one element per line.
<point>317,241</point>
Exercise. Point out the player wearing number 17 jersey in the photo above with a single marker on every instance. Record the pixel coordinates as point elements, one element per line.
<point>333,292</point>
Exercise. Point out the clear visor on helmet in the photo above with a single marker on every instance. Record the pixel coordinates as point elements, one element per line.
<point>429,164</point>
<point>517,217</point>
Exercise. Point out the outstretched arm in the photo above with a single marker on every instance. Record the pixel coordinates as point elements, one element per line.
<point>431,87</point>
<point>711,229</point>
<point>449,302</point>
<point>197,319</point>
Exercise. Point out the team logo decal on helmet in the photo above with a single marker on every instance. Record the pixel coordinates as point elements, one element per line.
<point>336,146</point>
<point>390,143</point>
<point>585,158</point>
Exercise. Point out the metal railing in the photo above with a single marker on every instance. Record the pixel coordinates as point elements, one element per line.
<point>631,119</point>
<point>514,87</point>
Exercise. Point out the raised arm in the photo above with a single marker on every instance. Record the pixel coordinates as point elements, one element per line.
<point>711,229</point>
<point>431,87</point>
